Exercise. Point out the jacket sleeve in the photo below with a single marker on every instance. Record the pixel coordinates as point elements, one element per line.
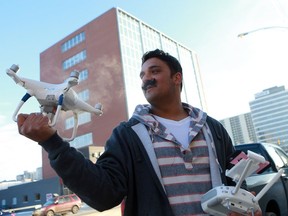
<point>102,185</point>
<point>223,145</point>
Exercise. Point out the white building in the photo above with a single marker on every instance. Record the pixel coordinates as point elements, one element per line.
<point>269,113</point>
<point>240,128</point>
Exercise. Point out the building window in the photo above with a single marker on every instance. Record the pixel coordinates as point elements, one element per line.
<point>14,201</point>
<point>73,42</point>
<point>25,198</point>
<point>84,95</point>
<point>82,141</point>
<point>69,123</point>
<point>83,75</point>
<point>3,203</point>
<point>37,196</point>
<point>82,119</point>
<point>79,57</point>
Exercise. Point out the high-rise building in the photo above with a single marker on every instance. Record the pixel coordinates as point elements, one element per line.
<point>107,51</point>
<point>240,128</point>
<point>269,112</point>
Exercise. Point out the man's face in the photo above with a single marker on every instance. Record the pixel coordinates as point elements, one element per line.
<point>157,83</point>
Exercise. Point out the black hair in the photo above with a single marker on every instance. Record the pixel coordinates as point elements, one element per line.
<point>170,60</point>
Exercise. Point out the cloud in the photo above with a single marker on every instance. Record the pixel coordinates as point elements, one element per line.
<point>2,119</point>
<point>17,153</point>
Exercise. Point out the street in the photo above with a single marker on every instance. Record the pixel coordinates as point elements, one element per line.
<point>86,210</point>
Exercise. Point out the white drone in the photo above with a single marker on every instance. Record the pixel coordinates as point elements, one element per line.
<point>54,97</point>
<point>220,200</point>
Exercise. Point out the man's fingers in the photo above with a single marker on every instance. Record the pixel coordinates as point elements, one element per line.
<point>29,123</point>
<point>21,118</point>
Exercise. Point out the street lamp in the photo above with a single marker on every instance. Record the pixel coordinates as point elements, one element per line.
<point>260,29</point>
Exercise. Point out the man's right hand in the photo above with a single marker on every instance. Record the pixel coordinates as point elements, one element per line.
<point>35,126</point>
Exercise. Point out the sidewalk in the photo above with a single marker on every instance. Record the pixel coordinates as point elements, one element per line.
<point>112,212</point>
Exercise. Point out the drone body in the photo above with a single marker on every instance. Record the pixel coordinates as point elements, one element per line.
<point>54,97</point>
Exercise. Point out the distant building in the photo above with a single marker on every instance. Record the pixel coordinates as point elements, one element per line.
<point>269,113</point>
<point>107,52</point>
<point>30,176</point>
<point>38,174</point>
<point>18,196</point>
<point>240,128</point>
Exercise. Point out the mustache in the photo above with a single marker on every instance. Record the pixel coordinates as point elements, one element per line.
<point>149,83</point>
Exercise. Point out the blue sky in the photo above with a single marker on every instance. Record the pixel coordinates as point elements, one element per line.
<point>233,69</point>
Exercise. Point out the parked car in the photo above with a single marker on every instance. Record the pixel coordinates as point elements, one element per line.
<point>4,213</point>
<point>60,205</point>
<point>7,213</point>
<point>275,201</point>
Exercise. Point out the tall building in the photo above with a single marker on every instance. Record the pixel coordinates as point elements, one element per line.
<point>240,128</point>
<point>107,51</point>
<point>269,112</point>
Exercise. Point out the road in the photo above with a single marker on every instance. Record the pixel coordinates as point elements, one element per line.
<point>87,211</point>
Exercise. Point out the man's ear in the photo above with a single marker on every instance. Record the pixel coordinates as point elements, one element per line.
<point>178,78</point>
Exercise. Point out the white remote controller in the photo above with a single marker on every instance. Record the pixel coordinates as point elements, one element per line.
<point>221,200</point>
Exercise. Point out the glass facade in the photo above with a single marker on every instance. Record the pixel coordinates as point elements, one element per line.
<point>136,38</point>
<point>270,116</point>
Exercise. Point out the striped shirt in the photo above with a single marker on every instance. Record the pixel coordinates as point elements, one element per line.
<point>185,172</point>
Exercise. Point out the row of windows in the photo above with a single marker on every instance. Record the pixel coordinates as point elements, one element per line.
<point>270,97</point>
<point>73,42</point>
<point>83,118</point>
<point>273,130</point>
<point>25,199</point>
<point>82,141</point>
<point>151,38</point>
<point>271,105</point>
<point>70,62</point>
<point>272,118</point>
<point>128,21</point>
<point>275,140</point>
<point>83,75</point>
<point>273,135</point>
<point>84,95</point>
<point>170,46</point>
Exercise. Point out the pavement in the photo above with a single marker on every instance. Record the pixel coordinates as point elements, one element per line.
<point>116,211</point>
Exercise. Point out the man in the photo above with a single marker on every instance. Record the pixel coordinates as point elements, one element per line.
<point>160,162</point>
